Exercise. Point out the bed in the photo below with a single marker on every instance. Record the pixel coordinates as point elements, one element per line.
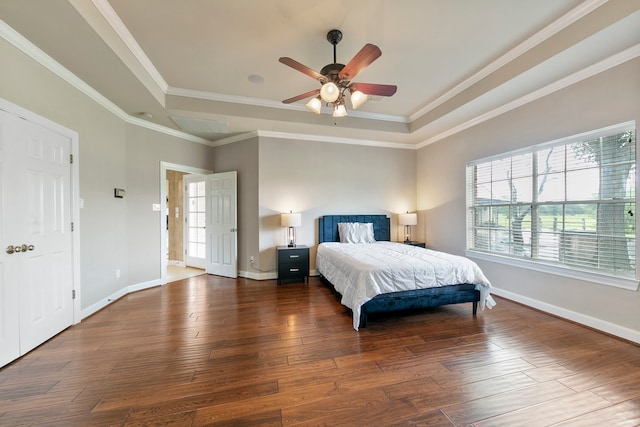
<point>375,275</point>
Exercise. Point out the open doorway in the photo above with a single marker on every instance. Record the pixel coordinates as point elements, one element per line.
<point>175,230</point>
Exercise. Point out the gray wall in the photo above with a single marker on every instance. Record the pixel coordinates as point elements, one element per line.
<point>145,150</point>
<point>116,234</point>
<point>606,99</point>
<point>242,157</point>
<point>314,178</point>
<point>319,178</point>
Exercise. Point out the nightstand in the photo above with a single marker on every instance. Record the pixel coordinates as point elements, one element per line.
<point>418,244</point>
<point>293,262</point>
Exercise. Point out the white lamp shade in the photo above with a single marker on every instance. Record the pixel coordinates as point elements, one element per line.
<point>340,111</point>
<point>291,220</point>
<point>408,219</point>
<point>358,99</point>
<point>329,92</point>
<point>314,105</point>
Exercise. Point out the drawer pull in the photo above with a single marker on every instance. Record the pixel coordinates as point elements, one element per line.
<point>294,269</point>
<point>294,256</point>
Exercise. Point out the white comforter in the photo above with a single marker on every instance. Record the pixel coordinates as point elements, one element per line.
<point>360,271</point>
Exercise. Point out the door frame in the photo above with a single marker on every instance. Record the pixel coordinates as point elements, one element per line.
<point>164,167</point>
<point>76,201</point>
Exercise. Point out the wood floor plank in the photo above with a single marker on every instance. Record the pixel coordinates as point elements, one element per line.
<point>499,404</point>
<point>216,351</point>
<point>625,414</point>
<point>438,399</point>
<point>549,412</point>
<point>624,389</point>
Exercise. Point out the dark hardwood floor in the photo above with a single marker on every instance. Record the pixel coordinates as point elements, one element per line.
<point>222,352</point>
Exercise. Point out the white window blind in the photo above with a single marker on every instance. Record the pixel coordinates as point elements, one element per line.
<point>569,202</point>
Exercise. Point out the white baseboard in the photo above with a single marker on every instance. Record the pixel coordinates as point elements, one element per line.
<point>117,295</point>
<point>257,275</point>
<point>583,319</point>
<point>150,284</point>
<point>266,276</point>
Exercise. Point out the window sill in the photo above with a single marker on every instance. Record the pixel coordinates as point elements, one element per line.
<point>598,278</point>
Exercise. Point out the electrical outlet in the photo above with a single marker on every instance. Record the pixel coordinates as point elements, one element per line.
<point>250,259</point>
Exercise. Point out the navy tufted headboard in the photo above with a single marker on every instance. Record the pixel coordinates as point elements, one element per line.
<point>328,226</point>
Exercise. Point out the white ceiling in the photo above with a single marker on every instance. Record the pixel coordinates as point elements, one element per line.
<point>191,65</point>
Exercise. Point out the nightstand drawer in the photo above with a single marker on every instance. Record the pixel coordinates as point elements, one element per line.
<point>293,256</point>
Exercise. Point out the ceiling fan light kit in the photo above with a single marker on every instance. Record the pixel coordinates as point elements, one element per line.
<point>329,92</point>
<point>314,105</point>
<point>357,98</point>
<point>335,80</point>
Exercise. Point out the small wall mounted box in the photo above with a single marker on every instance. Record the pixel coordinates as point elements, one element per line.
<point>118,193</point>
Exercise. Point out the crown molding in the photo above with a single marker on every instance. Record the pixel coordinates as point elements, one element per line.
<point>590,71</point>
<point>127,38</point>
<point>336,140</point>
<point>569,18</point>
<point>35,53</point>
<point>234,99</point>
<point>28,48</point>
<point>235,138</point>
<point>167,131</point>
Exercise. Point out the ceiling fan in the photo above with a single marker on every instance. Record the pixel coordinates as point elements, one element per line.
<point>336,80</point>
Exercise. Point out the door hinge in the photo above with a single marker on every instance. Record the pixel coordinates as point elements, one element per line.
<point>71,226</point>
<point>71,158</point>
<point>73,294</point>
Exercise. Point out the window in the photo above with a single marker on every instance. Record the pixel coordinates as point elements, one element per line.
<point>569,203</point>
<point>197,219</point>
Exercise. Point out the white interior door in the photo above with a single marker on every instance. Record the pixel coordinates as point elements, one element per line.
<point>35,233</point>
<point>9,298</point>
<point>195,208</point>
<point>222,223</point>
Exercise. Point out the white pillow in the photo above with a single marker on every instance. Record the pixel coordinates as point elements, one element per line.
<point>356,232</point>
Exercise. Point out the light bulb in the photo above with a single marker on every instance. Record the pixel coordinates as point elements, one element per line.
<point>339,111</point>
<point>358,99</point>
<point>329,92</point>
<point>314,105</point>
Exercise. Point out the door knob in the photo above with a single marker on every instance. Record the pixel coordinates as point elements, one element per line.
<point>19,248</point>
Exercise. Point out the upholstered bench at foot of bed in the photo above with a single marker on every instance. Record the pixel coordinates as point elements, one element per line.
<point>420,298</point>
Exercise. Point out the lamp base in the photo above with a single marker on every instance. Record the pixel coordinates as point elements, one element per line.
<point>407,241</point>
<point>291,245</point>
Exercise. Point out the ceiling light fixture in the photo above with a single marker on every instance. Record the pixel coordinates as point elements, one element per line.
<point>335,80</point>
<point>340,111</point>
<point>314,105</point>
<point>357,98</point>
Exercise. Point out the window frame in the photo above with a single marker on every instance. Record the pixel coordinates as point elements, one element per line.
<point>598,277</point>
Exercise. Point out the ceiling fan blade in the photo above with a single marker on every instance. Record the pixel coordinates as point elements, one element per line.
<point>302,96</point>
<point>374,89</point>
<point>302,68</point>
<point>366,56</point>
